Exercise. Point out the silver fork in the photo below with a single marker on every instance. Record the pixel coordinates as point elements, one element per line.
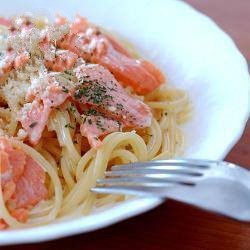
<point>216,186</point>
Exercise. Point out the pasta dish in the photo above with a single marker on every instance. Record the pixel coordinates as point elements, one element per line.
<point>75,101</point>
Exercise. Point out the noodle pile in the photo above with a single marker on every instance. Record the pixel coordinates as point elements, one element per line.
<point>72,167</point>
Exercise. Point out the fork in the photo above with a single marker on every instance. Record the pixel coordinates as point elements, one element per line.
<point>216,186</point>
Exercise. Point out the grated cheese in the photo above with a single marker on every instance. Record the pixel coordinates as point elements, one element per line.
<point>15,92</point>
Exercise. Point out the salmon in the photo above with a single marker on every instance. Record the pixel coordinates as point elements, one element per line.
<point>21,23</point>
<point>17,161</point>
<point>54,58</point>
<point>30,187</point>
<point>80,24</point>
<point>8,190</point>
<point>13,61</point>
<point>5,22</point>
<point>3,225</point>
<point>102,91</point>
<point>48,49</point>
<point>6,171</point>
<point>60,20</point>
<point>117,46</point>
<point>94,46</point>
<point>94,127</point>
<point>24,185</point>
<point>20,60</point>
<point>55,95</point>
<point>12,162</point>
<point>131,72</point>
<point>64,60</point>
<point>34,115</point>
<point>44,94</point>
<point>21,214</point>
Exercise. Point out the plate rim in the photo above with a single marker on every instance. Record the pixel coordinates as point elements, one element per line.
<point>17,236</point>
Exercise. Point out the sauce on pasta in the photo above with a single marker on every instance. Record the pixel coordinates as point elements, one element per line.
<point>73,102</point>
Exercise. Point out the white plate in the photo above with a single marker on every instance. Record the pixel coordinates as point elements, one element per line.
<point>195,55</point>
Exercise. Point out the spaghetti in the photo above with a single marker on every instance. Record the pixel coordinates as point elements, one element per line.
<point>63,109</point>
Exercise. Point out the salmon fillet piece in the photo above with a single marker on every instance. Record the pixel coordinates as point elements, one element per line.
<point>92,45</point>
<point>129,71</point>
<point>109,107</point>
<point>22,181</point>
<point>12,162</point>
<point>34,115</point>
<point>94,127</point>
<point>64,60</point>
<point>13,61</point>
<point>30,187</point>
<point>102,91</point>
<point>54,59</point>
<point>5,22</point>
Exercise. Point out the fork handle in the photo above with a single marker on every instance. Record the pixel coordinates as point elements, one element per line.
<point>234,204</point>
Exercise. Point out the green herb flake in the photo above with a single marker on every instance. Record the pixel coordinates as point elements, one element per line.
<point>69,126</point>
<point>91,112</point>
<point>94,93</point>
<point>72,108</point>
<point>64,89</point>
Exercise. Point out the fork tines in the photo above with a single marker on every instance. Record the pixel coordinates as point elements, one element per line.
<point>160,173</point>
